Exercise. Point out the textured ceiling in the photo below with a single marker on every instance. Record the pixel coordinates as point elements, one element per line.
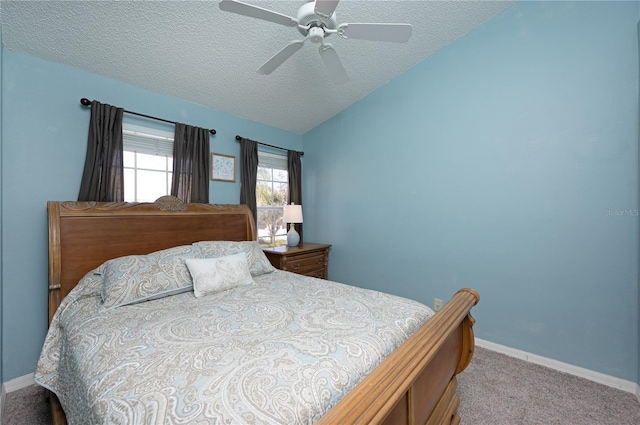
<point>194,51</point>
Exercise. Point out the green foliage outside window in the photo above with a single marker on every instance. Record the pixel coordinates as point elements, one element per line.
<point>271,196</point>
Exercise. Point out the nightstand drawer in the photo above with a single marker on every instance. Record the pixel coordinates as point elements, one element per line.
<point>316,273</point>
<point>304,263</point>
<point>309,259</point>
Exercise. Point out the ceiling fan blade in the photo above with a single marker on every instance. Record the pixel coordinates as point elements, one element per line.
<point>332,62</point>
<point>397,33</point>
<point>246,9</point>
<point>279,58</point>
<point>325,8</point>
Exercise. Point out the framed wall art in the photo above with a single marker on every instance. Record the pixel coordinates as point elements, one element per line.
<point>223,167</point>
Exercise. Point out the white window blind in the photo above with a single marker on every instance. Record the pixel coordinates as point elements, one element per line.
<point>272,160</point>
<point>135,140</point>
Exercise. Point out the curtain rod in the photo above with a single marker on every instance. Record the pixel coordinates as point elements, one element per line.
<point>87,102</point>
<point>271,146</point>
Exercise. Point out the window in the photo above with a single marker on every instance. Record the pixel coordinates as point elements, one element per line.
<point>272,192</point>
<point>148,163</point>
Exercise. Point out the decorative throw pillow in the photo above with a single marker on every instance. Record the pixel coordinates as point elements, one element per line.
<point>137,278</point>
<point>211,275</point>
<point>258,262</point>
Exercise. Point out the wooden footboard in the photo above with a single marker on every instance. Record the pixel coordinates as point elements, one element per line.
<point>416,384</point>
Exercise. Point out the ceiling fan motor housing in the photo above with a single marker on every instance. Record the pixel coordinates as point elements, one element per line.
<point>307,16</point>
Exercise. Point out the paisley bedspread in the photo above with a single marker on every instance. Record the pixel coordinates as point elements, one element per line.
<point>281,351</point>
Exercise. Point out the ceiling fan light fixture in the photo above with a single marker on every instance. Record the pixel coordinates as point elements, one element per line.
<point>316,34</point>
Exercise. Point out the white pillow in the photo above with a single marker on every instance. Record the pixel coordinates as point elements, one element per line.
<point>212,275</point>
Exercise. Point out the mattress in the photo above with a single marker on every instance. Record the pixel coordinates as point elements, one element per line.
<point>283,350</point>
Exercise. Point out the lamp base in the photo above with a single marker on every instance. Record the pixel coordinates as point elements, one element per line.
<point>293,238</point>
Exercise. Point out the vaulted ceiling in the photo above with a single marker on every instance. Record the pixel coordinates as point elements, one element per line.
<point>194,51</point>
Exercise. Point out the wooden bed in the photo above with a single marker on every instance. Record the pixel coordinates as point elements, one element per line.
<point>416,384</point>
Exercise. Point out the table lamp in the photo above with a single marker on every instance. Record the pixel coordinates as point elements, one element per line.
<point>292,215</point>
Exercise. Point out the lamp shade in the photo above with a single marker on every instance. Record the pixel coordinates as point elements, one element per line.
<point>292,213</point>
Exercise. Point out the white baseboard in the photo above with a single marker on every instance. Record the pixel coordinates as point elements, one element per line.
<point>601,378</point>
<point>19,383</point>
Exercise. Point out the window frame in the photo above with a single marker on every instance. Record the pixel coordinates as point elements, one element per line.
<point>272,161</point>
<point>141,140</point>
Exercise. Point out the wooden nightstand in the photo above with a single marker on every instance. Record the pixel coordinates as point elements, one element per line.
<point>309,259</point>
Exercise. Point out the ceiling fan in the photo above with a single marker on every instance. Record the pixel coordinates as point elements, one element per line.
<point>316,20</point>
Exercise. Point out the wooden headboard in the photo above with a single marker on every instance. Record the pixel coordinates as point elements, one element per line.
<point>83,235</point>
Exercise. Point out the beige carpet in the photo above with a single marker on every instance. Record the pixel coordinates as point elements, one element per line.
<point>500,390</point>
<point>495,390</point>
<point>28,406</point>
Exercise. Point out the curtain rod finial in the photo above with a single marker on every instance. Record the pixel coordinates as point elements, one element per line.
<point>85,101</point>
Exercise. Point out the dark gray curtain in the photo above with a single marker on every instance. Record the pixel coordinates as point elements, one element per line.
<point>294,165</point>
<point>249,174</point>
<point>103,176</point>
<point>191,164</point>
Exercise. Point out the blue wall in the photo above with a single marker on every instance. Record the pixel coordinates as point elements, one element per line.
<point>506,162</point>
<point>44,146</point>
